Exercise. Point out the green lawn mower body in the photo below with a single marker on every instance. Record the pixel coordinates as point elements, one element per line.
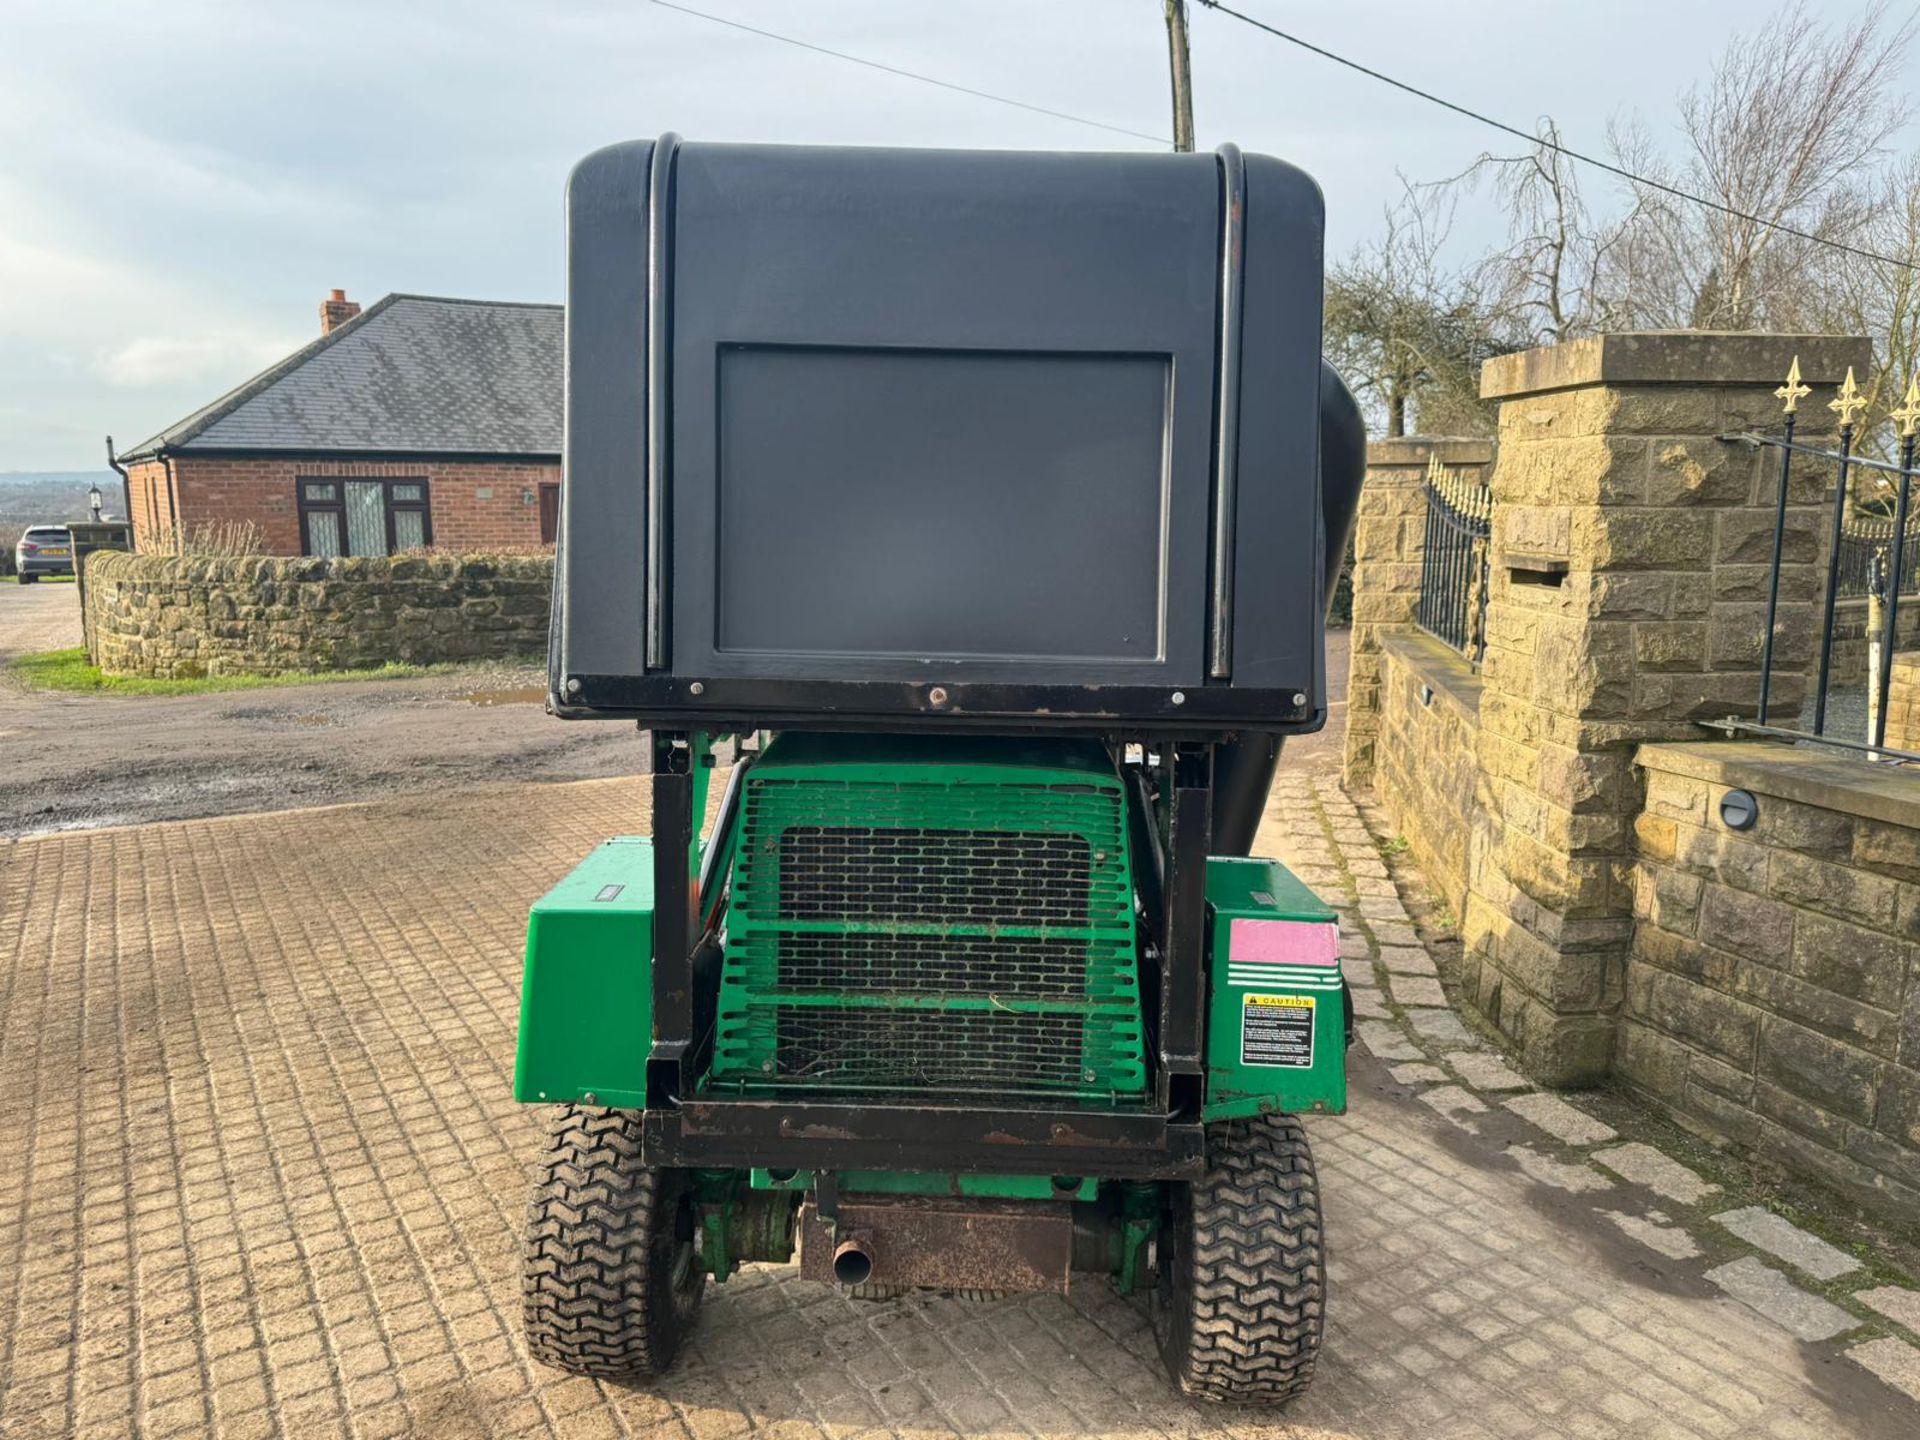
<point>967,980</point>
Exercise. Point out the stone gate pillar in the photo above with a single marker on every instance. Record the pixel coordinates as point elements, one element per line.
<point>1631,550</point>
<point>1389,543</point>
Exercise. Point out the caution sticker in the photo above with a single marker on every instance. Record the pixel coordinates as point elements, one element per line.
<point>1277,1031</point>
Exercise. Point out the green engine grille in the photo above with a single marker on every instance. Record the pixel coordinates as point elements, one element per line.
<point>940,931</point>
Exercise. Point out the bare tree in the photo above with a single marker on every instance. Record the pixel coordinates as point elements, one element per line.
<point>1787,137</point>
<point>1856,295</point>
<point>1547,281</point>
<point>1407,330</point>
<point>1784,132</point>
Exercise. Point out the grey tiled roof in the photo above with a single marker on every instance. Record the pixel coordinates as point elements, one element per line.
<point>411,374</point>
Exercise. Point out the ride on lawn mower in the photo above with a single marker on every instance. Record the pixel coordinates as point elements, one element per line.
<point>984,508</point>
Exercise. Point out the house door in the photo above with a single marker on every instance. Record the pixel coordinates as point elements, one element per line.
<point>549,512</point>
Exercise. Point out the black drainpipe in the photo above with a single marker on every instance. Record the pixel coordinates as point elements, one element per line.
<point>126,489</point>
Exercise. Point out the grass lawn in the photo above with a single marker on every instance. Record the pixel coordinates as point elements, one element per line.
<point>68,670</point>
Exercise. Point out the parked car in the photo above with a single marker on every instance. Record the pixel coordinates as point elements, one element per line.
<point>43,550</point>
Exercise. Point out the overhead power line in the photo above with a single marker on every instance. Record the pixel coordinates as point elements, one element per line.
<point>1571,154</point>
<point>911,74</point>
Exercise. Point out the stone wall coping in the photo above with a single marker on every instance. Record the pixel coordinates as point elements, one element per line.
<point>1439,665</point>
<point>1847,785</point>
<point>1674,357</point>
<point>1418,449</point>
<point>122,565</point>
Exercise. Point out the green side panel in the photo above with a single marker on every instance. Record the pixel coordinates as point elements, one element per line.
<point>586,1004</point>
<point>1276,1022</point>
<point>922,1182</point>
<point>931,914</point>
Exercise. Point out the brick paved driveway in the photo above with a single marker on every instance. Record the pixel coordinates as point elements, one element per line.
<point>263,1176</point>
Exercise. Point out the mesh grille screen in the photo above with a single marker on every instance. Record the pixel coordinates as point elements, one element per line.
<point>852,872</point>
<point>928,1049</point>
<point>1034,967</point>
<point>918,935</point>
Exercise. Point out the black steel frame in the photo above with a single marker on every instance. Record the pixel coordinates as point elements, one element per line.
<point>1161,1140</point>
<point>1153,713</point>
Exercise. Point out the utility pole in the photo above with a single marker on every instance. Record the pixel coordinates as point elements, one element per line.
<point>1182,75</point>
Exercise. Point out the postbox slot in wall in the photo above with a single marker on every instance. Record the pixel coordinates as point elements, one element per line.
<point>1524,568</point>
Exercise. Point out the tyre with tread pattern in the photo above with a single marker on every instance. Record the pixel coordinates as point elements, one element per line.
<point>1240,1301</point>
<point>611,1276</point>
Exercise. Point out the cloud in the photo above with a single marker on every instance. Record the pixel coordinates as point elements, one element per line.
<point>152,360</point>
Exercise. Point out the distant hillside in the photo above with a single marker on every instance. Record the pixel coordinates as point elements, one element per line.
<point>30,497</point>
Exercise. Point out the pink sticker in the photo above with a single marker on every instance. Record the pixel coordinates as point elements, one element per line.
<point>1283,942</point>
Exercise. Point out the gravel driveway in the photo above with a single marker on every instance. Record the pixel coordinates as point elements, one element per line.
<point>77,762</point>
<point>43,616</point>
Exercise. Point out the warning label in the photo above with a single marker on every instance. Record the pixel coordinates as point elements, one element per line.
<point>1277,1030</point>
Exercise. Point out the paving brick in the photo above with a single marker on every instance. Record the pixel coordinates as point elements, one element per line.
<point>1771,1294</point>
<point>1894,1302</point>
<point>1418,1073</point>
<point>1415,990</point>
<point>1785,1241</point>
<point>1669,1240</point>
<point>1894,1361</point>
<point>1561,1120</point>
<point>1407,960</point>
<point>1443,1027</point>
<point>295,1033</point>
<point>1576,1179</point>
<point>1453,1100</point>
<point>1369,1005</point>
<point>1386,1040</point>
<point>1641,1164</point>
<point>1486,1072</point>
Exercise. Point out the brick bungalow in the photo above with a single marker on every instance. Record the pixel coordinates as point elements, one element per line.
<point>422,421</point>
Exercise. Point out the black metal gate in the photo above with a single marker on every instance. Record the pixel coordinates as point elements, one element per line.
<point>1454,566</point>
<point>1863,556</point>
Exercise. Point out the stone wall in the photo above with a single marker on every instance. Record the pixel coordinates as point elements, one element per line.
<point>1427,769</point>
<point>1629,571</point>
<point>178,617</point>
<point>1851,646</point>
<point>1773,990</point>
<point>1903,701</point>
<point>1630,550</point>
<point>1389,543</point>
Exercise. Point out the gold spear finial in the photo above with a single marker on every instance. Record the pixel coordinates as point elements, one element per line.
<point>1907,417</point>
<point>1849,402</point>
<point>1793,390</point>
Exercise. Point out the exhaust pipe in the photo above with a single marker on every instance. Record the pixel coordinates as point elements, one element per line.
<point>852,1262</point>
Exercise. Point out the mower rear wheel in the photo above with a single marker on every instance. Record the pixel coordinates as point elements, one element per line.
<point>1241,1295</point>
<point>611,1276</point>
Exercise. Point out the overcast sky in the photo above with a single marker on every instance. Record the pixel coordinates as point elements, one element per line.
<point>181,182</point>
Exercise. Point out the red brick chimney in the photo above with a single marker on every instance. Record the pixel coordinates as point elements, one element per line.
<point>336,310</point>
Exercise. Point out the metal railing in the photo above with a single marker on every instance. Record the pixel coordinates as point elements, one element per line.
<point>1454,562</point>
<point>1854,544</point>
<point>1866,557</point>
